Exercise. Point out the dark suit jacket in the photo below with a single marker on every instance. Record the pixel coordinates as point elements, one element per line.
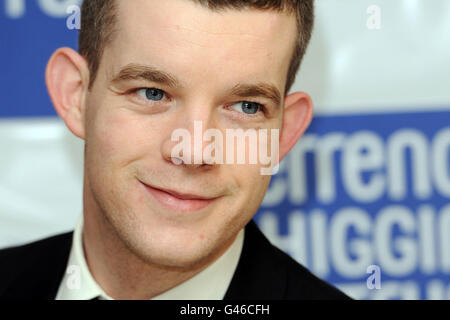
<point>35,270</point>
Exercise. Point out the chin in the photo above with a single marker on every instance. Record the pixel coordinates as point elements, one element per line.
<point>171,257</point>
<point>168,247</point>
<point>178,260</point>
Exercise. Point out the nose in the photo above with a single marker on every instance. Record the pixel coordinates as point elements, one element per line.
<point>188,143</point>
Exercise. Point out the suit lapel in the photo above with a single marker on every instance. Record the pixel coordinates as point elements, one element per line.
<point>258,275</point>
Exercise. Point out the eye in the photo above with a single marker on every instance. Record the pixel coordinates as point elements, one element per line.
<point>247,107</point>
<point>152,94</point>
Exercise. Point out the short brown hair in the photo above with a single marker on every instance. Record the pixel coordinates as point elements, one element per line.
<point>98,17</point>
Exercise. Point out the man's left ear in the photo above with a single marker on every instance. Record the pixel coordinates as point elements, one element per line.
<point>298,111</point>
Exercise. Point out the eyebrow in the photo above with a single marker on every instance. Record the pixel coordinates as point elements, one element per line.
<point>152,74</point>
<point>264,90</point>
<point>144,72</point>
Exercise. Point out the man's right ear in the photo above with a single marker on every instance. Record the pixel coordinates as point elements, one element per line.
<point>67,79</point>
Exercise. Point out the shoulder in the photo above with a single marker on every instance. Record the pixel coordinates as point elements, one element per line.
<point>266,272</point>
<point>33,260</point>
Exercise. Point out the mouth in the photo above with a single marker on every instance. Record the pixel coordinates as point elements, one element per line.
<point>179,201</point>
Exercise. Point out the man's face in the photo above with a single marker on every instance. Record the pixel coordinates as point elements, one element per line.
<point>128,131</point>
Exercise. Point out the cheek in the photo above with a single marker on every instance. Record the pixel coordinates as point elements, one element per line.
<point>252,184</point>
<point>252,188</point>
<point>119,138</point>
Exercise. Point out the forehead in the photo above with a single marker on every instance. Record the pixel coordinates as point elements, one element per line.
<point>188,39</point>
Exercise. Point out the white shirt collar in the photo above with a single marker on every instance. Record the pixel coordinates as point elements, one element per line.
<point>209,284</point>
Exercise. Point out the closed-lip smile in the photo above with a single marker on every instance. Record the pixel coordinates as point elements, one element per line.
<point>178,201</point>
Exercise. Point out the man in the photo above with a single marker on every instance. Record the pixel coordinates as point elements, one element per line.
<point>154,225</point>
